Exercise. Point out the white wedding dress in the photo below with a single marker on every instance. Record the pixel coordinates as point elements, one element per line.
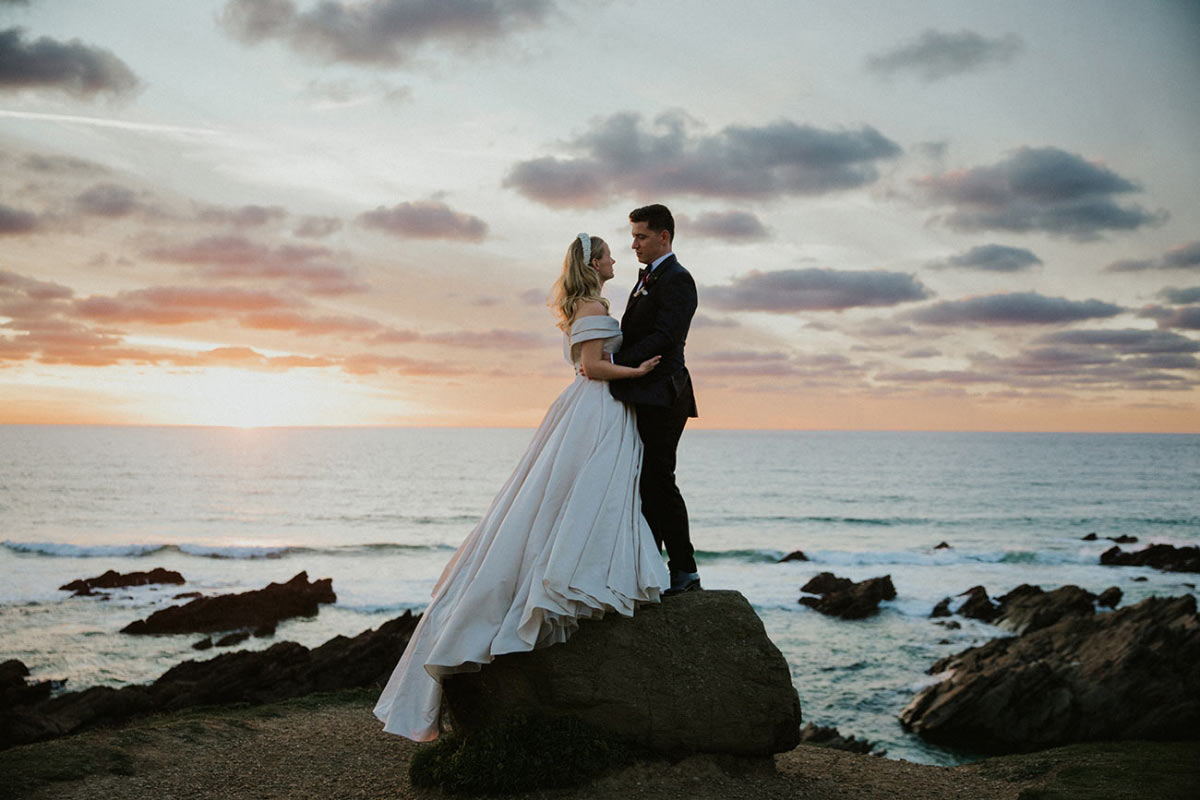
<point>564,540</point>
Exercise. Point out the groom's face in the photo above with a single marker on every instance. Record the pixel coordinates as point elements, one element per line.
<point>648,244</point>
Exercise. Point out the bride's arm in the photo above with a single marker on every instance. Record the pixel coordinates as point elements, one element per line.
<point>597,366</point>
<point>595,362</point>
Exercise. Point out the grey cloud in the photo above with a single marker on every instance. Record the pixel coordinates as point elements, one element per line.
<point>1016,308</point>
<point>1185,317</point>
<point>425,219</point>
<point>705,321</point>
<point>922,352</point>
<point>108,200</point>
<point>239,257</point>
<point>1181,297</point>
<point>1038,189</point>
<point>731,226</point>
<point>60,164</point>
<point>815,290</point>
<point>1182,257</point>
<point>1126,340</point>
<point>16,221</point>
<point>994,258</point>
<point>621,156</point>
<point>935,55</point>
<point>248,216</point>
<point>1185,256</point>
<point>379,33</point>
<point>317,227</point>
<point>73,67</point>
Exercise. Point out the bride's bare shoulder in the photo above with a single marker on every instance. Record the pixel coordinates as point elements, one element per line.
<point>590,308</point>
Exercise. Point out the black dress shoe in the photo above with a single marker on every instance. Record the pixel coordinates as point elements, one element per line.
<point>683,582</point>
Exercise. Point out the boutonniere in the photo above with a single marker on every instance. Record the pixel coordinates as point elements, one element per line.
<point>648,284</point>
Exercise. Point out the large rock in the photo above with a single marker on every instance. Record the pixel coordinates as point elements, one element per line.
<point>1126,674</point>
<point>696,673</point>
<point>284,670</point>
<point>258,609</point>
<point>1029,608</point>
<point>114,580</point>
<point>1160,556</point>
<point>841,597</point>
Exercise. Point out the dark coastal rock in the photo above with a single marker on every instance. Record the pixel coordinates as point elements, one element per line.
<point>237,637</point>
<point>283,670</point>
<point>1123,539</point>
<point>824,736</point>
<point>255,609</point>
<point>204,644</point>
<point>942,546</point>
<point>113,579</point>
<point>15,691</point>
<point>826,582</point>
<point>1110,597</point>
<point>978,605</point>
<point>1125,674</point>
<point>187,595</point>
<point>1091,537</point>
<point>1028,608</point>
<point>843,598</point>
<point>1160,556</point>
<point>942,609</point>
<point>795,555</point>
<point>696,673</point>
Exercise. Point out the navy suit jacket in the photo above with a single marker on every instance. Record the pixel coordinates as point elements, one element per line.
<point>656,324</point>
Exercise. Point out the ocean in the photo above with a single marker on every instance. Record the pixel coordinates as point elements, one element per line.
<point>380,510</point>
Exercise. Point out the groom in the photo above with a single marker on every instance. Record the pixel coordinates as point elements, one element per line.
<point>656,322</point>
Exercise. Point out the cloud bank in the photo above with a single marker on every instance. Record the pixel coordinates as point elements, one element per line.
<point>80,70</point>
<point>935,54</point>
<point>791,290</point>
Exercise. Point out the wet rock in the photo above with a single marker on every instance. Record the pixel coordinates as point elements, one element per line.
<point>978,605</point>
<point>113,579</point>
<point>203,644</point>
<point>1125,674</point>
<point>950,624</point>
<point>187,595</point>
<point>846,599</point>
<point>231,639</point>
<point>1140,579</point>
<point>1091,537</point>
<point>264,630</point>
<point>255,609</point>
<point>824,736</point>
<point>283,670</point>
<point>1160,556</point>
<point>696,673</point>
<point>795,555</point>
<point>942,609</point>
<point>1123,539</point>
<point>826,582</point>
<point>1110,597</point>
<point>1028,608</point>
<point>941,546</point>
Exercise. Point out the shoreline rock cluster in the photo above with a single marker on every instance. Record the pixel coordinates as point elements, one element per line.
<point>1070,675</point>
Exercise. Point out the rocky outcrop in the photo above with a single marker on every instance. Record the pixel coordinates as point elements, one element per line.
<point>1160,556</point>
<point>1125,674</point>
<point>256,610</point>
<point>795,555</point>
<point>841,597</point>
<point>114,580</point>
<point>284,670</point>
<point>978,605</point>
<point>1029,608</point>
<point>830,737</point>
<point>696,673</point>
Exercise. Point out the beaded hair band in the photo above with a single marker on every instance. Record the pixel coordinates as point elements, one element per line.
<point>586,241</point>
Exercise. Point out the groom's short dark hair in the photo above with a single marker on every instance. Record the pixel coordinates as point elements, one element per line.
<point>657,218</point>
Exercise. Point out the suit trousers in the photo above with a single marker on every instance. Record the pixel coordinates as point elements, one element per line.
<point>662,505</point>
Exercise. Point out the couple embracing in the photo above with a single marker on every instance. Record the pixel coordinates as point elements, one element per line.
<point>576,531</point>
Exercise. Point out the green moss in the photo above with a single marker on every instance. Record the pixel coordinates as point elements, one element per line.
<point>1104,771</point>
<point>519,754</point>
<point>63,760</point>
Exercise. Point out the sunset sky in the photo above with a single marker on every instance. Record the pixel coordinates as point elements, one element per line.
<point>919,215</point>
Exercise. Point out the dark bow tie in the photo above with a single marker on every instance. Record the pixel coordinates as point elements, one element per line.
<point>643,273</point>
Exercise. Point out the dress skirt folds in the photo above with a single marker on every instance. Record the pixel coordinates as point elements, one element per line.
<point>564,540</point>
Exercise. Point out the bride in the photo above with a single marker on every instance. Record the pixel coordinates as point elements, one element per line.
<point>564,539</point>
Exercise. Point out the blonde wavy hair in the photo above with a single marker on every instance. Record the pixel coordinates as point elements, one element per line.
<point>578,283</point>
